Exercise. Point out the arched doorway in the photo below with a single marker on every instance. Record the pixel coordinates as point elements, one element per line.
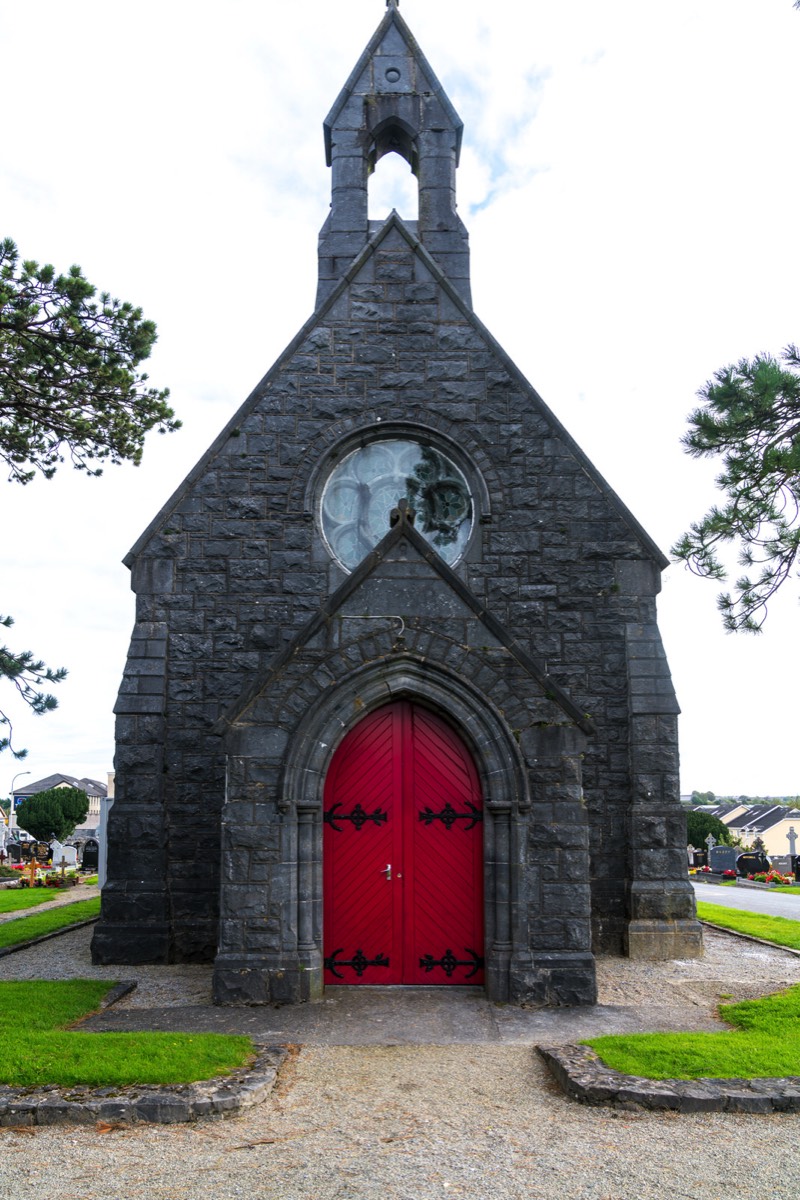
<point>403,854</point>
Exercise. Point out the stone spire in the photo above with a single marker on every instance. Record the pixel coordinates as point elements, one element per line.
<point>393,103</point>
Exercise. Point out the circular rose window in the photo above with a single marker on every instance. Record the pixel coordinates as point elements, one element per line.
<point>362,490</point>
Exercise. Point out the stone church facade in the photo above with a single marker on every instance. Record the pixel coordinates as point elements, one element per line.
<point>394,601</point>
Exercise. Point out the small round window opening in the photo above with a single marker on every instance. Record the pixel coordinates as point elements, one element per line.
<point>367,484</point>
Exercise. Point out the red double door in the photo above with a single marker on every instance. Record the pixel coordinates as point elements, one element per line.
<point>403,854</point>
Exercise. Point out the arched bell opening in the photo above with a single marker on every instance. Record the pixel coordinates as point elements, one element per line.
<point>392,169</point>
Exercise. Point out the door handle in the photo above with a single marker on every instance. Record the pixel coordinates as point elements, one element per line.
<point>387,871</point>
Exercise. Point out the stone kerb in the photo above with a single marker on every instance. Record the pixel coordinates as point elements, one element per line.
<point>165,1105</point>
<point>583,1077</point>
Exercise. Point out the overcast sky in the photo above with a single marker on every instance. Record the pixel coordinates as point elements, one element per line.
<point>629,179</point>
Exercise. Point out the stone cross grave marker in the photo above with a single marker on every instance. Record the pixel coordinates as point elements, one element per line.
<point>711,842</point>
<point>791,838</point>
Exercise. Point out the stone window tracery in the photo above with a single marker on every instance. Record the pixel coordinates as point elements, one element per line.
<point>361,491</point>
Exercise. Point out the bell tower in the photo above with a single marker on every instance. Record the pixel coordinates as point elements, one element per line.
<point>393,104</point>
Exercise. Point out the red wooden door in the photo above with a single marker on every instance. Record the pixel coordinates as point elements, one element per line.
<point>403,854</point>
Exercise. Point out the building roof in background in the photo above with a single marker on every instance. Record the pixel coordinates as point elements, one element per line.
<point>92,787</point>
<point>757,817</point>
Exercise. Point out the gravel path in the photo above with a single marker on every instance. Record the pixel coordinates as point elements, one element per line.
<point>422,1122</point>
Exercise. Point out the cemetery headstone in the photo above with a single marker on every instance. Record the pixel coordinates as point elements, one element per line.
<point>14,852</point>
<point>69,853</point>
<point>91,854</point>
<point>796,868</point>
<point>791,838</point>
<point>722,858</point>
<point>27,850</point>
<point>782,863</point>
<point>41,851</point>
<point>751,863</point>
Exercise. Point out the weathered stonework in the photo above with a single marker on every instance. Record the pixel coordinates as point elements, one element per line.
<point>254,652</point>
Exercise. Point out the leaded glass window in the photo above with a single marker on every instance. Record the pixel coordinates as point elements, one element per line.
<point>367,484</point>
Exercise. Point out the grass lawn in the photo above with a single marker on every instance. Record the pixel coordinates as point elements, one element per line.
<point>766,1043</point>
<point>39,1050</point>
<point>24,929</point>
<point>12,901</point>
<point>784,931</point>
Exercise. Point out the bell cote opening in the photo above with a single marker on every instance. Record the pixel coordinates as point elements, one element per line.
<point>392,186</point>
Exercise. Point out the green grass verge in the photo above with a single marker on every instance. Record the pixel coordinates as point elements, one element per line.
<point>766,1044</point>
<point>13,901</point>
<point>784,931</point>
<point>38,1050</point>
<point>26,928</point>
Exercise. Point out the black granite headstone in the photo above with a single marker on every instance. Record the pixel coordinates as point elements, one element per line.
<point>91,855</point>
<point>753,862</point>
<point>723,858</point>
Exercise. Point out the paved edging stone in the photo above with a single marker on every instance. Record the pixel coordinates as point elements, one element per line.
<point>583,1077</point>
<point>166,1105</point>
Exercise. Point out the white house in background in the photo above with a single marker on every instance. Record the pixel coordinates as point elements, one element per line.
<point>770,822</point>
<point>94,789</point>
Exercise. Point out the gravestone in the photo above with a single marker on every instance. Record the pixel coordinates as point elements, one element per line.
<point>723,858</point>
<point>91,855</point>
<point>796,867</point>
<point>14,852</point>
<point>782,863</point>
<point>41,850</point>
<point>700,858</point>
<point>751,863</point>
<point>27,851</point>
<point>69,853</point>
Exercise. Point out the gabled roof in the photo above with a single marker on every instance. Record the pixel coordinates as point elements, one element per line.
<point>393,21</point>
<point>403,529</point>
<point>394,223</point>
<point>92,787</point>
<point>763,816</point>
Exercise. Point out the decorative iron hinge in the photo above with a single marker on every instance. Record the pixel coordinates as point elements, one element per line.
<point>359,962</point>
<point>448,816</point>
<point>358,817</point>
<point>449,963</point>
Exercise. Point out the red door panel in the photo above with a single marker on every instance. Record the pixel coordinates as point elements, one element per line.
<point>402,792</point>
<point>360,839</point>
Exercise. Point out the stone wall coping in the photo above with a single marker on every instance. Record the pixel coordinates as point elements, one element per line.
<point>583,1077</point>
